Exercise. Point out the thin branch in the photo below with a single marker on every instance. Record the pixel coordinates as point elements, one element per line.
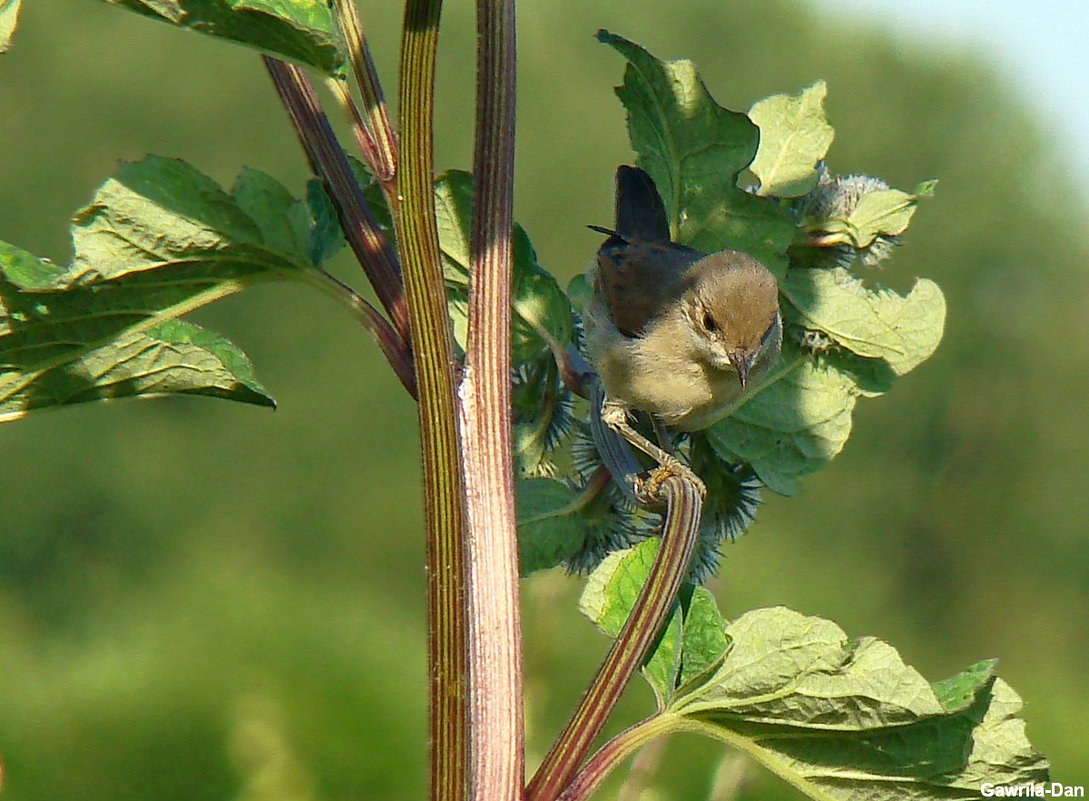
<point>644,766</point>
<point>497,729</point>
<point>432,344</point>
<point>683,507</point>
<point>392,346</point>
<point>610,756</point>
<point>329,163</point>
<point>368,148</point>
<point>381,154</point>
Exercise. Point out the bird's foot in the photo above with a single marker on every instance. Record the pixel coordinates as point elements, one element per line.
<point>648,485</point>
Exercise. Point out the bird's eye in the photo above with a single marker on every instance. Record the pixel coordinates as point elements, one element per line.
<point>709,322</point>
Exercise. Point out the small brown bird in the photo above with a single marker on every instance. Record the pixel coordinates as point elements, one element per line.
<point>672,331</point>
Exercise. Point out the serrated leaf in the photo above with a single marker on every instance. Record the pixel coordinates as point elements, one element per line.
<point>298,30</point>
<point>885,212</point>
<point>847,719</point>
<point>159,240</point>
<point>794,426</point>
<point>664,663</point>
<point>174,357</point>
<point>610,595</point>
<point>550,526</point>
<point>694,150</point>
<point>785,668</point>
<point>163,213</point>
<point>542,313</point>
<point>794,136</point>
<point>9,18</point>
<point>870,321</point>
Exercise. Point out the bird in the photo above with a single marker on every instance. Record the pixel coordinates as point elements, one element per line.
<point>671,331</point>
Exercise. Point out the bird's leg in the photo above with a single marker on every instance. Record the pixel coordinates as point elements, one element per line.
<point>615,415</point>
<point>662,433</point>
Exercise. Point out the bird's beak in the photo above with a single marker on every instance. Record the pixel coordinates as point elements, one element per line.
<point>742,362</point>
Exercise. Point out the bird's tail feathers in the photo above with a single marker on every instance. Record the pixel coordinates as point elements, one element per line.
<point>640,212</point>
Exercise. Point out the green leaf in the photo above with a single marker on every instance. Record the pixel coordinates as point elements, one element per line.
<point>283,221</point>
<point>159,240</point>
<point>704,636</point>
<point>957,693</point>
<point>794,426</point>
<point>9,18</point>
<point>454,214</point>
<point>541,417</point>
<point>528,446</point>
<point>298,30</point>
<point>326,237</point>
<point>609,597</point>
<point>550,527</point>
<point>173,357</point>
<point>861,214</point>
<point>785,668</point>
<point>794,136</point>
<point>926,188</point>
<point>162,213</point>
<point>873,322</point>
<point>847,719</point>
<point>873,377</point>
<point>694,150</point>
<point>885,212</point>
<point>579,291</point>
<point>542,312</point>
<point>612,588</point>
<point>180,333</point>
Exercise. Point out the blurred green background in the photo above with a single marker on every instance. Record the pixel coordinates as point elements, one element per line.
<point>207,601</point>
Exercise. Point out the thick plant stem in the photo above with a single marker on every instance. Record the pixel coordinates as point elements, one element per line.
<point>496,732</point>
<point>630,649</point>
<point>444,493</point>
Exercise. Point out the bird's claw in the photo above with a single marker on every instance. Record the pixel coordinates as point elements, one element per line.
<point>648,485</point>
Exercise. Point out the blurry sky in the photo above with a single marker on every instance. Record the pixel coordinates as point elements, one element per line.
<point>1043,46</point>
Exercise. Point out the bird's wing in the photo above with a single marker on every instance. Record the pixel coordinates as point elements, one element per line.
<point>639,268</point>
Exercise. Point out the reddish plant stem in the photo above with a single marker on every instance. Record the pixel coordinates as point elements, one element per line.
<point>328,161</point>
<point>496,735</point>
<point>630,649</point>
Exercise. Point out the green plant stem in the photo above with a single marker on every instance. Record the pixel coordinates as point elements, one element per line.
<point>328,161</point>
<point>610,756</point>
<point>630,649</point>
<point>432,345</point>
<point>368,148</point>
<point>377,141</point>
<point>497,731</point>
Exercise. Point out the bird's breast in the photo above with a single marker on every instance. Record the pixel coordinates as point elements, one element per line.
<point>663,373</point>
